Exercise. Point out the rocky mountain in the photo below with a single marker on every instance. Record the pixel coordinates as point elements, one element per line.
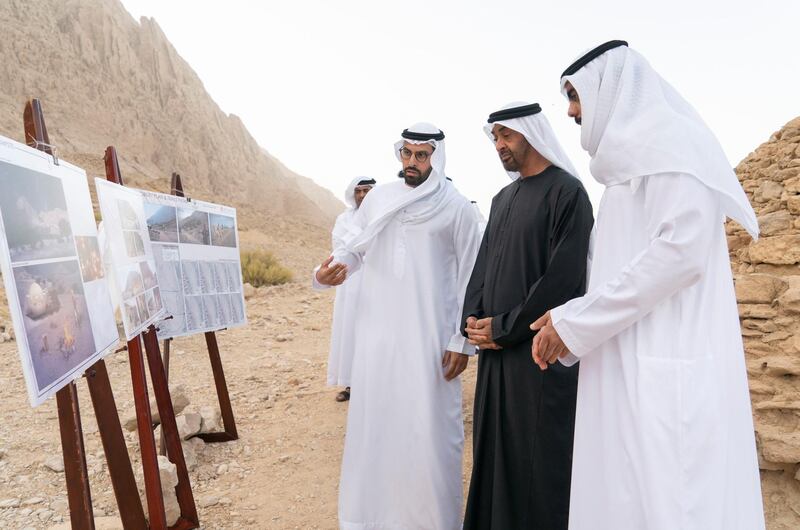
<point>106,79</point>
<point>767,274</point>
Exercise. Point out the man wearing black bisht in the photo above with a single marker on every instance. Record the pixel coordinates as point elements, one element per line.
<point>533,256</point>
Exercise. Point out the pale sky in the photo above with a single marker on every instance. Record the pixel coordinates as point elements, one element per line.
<point>327,87</point>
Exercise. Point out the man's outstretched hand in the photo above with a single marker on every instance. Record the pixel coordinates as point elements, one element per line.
<point>547,344</point>
<point>331,275</point>
<point>479,333</point>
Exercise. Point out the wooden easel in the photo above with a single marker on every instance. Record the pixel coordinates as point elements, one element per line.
<point>105,409</point>
<point>229,432</point>
<point>169,428</point>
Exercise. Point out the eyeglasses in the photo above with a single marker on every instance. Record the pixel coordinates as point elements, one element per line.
<point>420,156</point>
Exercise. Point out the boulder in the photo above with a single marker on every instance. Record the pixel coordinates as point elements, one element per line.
<point>779,446</point>
<point>180,400</point>
<point>768,191</point>
<point>776,250</point>
<point>54,464</point>
<point>790,300</point>
<point>774,222</point>
<point>758,288</point>
<point>169,479</point>
<point>189,424</point>
<point>212,419</point>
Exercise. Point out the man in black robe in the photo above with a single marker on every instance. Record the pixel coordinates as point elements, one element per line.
<point>533,256</point>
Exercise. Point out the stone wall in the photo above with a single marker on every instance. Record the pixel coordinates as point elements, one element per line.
<point>767,278</point>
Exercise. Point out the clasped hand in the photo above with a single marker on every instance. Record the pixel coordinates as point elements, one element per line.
<point>547,345</point>
<point>479,333</point>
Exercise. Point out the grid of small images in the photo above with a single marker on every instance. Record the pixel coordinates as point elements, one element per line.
<point>196,253</point>
<point>212,292</point>
<point>124,219</point>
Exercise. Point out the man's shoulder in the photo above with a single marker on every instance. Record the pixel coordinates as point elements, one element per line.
<point>383,190</point>
<point>397,186</point>
<point>460,198</point>
<point>566,181</point>
<point>379,195</point>
<point>459,202</point>
<point>348,213</point>
<point>504,190</point>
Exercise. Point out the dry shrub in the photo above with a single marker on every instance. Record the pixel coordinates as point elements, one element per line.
<point>260,267</point>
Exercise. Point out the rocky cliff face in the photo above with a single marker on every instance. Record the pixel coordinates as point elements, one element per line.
<point>768,291</point>
<point>105,79</point>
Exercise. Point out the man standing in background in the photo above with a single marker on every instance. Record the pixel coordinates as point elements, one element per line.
<point>343,329</point>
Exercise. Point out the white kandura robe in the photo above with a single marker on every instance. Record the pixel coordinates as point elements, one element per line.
<point>345,306</point>
<point>401,467</point>
<point>664,435</point>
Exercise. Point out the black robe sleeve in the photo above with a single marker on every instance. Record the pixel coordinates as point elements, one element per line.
<point>473,298</point>
<point>565,274</point>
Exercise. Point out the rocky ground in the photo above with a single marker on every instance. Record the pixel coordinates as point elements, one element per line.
<point>281,474</point>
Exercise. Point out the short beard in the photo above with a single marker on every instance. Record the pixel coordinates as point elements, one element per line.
<point>416,180</point>
<point>578,121</point>
<point>511,165</point>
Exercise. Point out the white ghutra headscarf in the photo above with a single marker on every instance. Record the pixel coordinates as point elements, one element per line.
<point>528,120</point>
<point>344,227</point>
<point>634,123</point>
<point>417,205</point>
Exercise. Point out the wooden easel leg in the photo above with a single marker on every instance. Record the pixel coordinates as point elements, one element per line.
<point>224,398</point>
<point>169,429</point>
<point>162,448</point>
<point>119,463</point>
<point>80,497</point>
<point>147,442</point>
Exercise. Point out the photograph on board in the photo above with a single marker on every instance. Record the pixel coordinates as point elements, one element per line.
<point>213,316</point>
<point>223,230</point>
<point>226,309</point>
<point>193,227</point>
<point>148,276</point>
<point>127,215</point>
<point>91,261</point>
<point>195,313</point>
<point>35,217</point>
<point>162,223</point>
<point>191,278</point>
<point>134,244</point>
<point>208,282</point>
<point>56,318</point>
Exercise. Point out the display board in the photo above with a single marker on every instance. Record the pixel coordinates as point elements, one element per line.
<point>131,256</point>
<point>196,250</point>
<point>53,272</point>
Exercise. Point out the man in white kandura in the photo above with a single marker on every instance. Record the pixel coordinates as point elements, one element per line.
<point>401,467</point>
<point>664,434</point>
<point>343,329</point>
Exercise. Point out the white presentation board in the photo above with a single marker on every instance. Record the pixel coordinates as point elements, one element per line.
<point>196,250</point>
<point>131,256</point>
<point>53,272</point>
